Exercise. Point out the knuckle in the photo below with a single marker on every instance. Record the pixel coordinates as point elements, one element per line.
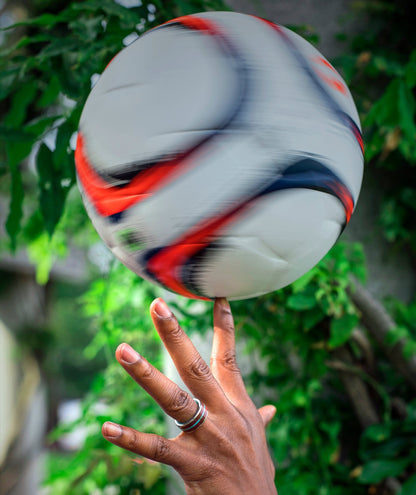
<point>226,312</point>
<point>160,448</point>
<point>180,400</point>
<point>227,360</point>
<point>227,320</point>
<point>172,329</point>
<point>132,441</point>
<point>199,368</point>
<point>229,326</point>
<point>146,371</point>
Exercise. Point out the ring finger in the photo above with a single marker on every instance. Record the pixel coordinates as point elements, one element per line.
<point>177,403</point>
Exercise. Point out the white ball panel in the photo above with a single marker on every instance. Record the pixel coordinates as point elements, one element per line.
<point>244,267</point>
<point>144,108</point>
<point>282,237</point>
<point>325,71</point>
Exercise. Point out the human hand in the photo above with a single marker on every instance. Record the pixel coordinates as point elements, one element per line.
<point>226,453</point>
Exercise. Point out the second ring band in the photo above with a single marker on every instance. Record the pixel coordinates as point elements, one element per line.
<point>197,419</point>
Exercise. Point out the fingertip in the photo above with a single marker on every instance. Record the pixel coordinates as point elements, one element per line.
<point>267,413</point>
<point>125,354</point>
<point>222,307</point>
<point>160,309</point>
<point>111,430</point>
<point>222,301</point>
<point>118,351</point>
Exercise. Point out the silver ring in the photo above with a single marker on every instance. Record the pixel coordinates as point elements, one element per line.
<point>197,419</point>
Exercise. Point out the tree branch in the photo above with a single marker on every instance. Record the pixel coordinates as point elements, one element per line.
<point>355,387</point>
<point>361,339</point>
<point>379,323</point>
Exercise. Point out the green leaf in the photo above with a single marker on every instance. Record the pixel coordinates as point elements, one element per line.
<point>38,126</point>
<point>63,158</point>
<point>312,318</point>
<point>410,71</point>
<point>409,486</point>
<point>15,135</point>
<point>70,82</point>
<point>40,254</point>
<point>385,110</point>
<point>341,329</point>
<point>7,81</point>
<point>301,301</point>
<point>378,432</point>
<point>378,470</point>
<point>86,28</point>
<point>34,226</point>
<point>374,145</point>
<point>20,102</point>
<point>59,46</point>
<point>409,349</point>
<point>15,209</point>
<point>394,335</point>
<point>125,16</point>
<point>50,93</point>
<point>300,284</point>
<point>51,189</point>
<point>23,42</point>
<point>300,398</point>
<point>406,106</point>
<point>16,151</point>
<point>46,20</point>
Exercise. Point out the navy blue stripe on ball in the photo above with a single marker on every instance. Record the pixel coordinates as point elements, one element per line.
<point>116,217</point>
<point>307,173</point>
<point>336,108</point>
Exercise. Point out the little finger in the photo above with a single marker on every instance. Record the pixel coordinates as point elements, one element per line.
<point>148,445</point>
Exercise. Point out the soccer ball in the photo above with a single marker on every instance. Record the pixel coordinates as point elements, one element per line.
<point>219,155</point>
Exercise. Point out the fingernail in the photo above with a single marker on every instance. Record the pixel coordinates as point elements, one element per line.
<point>273,411</point>
<point>161,309</point>
<point>224,304</point>
<point>270,413</point>
<point>112,430</point>
<point>223,301</point>
<point>128,355</point>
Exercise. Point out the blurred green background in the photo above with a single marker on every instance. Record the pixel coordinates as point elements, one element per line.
<point>335,351</point>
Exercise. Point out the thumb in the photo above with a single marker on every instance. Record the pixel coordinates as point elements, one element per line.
<point>267,413</point>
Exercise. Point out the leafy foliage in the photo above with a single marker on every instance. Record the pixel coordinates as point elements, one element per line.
<point>294,337</point>
<point>114,306</point>
<point>294,330</point>
<point>381,72</point>
<point>45,78</point>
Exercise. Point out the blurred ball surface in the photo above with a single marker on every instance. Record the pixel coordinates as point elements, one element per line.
<point>219,155</point>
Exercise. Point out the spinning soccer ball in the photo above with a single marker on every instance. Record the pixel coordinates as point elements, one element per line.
<point>220,155</point>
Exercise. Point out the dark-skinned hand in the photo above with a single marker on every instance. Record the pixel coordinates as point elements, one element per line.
<point>227,454</point>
